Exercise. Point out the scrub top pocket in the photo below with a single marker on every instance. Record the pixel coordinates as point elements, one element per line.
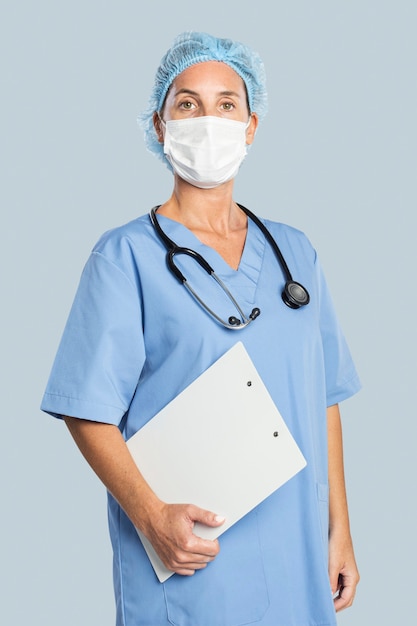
<point>231,590</point>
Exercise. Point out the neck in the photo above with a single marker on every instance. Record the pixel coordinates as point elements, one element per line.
<point>204,209</point>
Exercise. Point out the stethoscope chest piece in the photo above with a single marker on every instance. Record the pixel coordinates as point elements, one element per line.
<point>295,295</point>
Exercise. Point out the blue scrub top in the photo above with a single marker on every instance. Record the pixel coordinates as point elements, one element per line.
<point>135,338</point>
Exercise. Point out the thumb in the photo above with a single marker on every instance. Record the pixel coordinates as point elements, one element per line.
<point>334,579</point>
<point>208,518</point>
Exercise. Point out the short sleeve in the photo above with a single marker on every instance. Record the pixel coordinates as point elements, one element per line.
<point>101,353</point>
<point>342,380</point>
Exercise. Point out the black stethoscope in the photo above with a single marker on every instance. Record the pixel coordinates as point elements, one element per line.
<point>294,294</point>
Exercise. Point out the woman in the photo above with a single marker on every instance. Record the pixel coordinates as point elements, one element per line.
<point>135,338</point>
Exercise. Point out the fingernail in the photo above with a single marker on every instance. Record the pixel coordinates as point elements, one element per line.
<point>219,518</point>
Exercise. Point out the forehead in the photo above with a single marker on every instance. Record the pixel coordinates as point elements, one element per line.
<point>210,75</point>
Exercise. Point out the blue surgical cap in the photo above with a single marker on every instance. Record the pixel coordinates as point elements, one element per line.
<point>190,48</point>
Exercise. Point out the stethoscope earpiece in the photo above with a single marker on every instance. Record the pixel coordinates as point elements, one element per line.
<point>295,295</point>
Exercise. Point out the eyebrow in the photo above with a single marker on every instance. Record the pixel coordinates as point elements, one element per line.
<point>190,92</point>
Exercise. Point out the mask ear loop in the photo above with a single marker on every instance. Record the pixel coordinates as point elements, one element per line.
<point>248,145</point>
<point>158,131</point>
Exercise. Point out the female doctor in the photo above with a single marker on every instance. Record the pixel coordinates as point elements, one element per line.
<point>136,337</point>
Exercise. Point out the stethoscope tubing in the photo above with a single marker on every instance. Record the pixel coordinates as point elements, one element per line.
<point>294,294</point>
<point>173,249</point>
<point>271,241</point>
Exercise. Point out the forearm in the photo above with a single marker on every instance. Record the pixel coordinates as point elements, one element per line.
<point>169,527</point>
<point>105,450</point>
<point>338,507</point>
<point>343,572</point>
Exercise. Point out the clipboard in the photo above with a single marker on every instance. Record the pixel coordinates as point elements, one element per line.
<point>221,444</point>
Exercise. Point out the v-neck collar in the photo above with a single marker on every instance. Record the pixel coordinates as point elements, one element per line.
<point>252,255</point>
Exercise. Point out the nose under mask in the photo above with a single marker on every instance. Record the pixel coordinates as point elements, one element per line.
<point>205,151</point>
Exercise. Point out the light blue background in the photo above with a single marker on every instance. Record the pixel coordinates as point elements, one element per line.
<point>335,157</point>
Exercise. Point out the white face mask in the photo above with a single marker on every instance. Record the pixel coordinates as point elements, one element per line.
<point>205,151</point>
